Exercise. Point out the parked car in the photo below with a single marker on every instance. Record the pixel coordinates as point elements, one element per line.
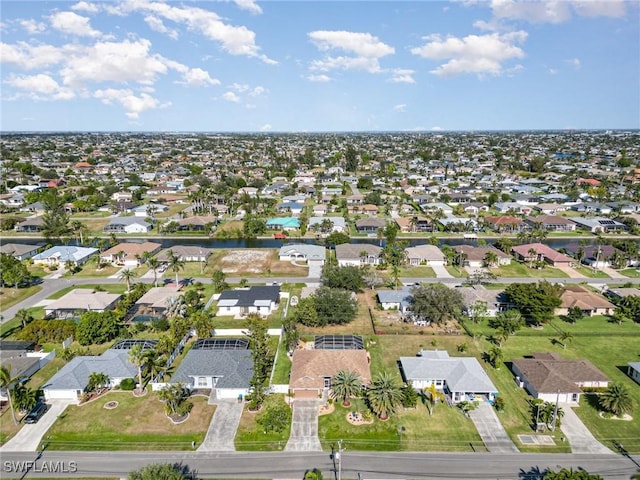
<point>36,413</point>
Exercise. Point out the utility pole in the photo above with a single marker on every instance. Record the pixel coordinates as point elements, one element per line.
<point>339,455</point>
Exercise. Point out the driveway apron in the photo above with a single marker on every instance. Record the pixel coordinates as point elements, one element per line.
<point>304,427</point>
<point>441,271</point>
<point>29,436</point>
<point>491,430</point>
<point>223,426</point>
<point>579,437</point>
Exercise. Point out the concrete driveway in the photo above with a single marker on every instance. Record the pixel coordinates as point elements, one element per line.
<point>30,435</point>
<point>579,437</point>
<point>441,271</point>
<point>491,430</point>
<point>222,429</point>
<point>571,272</point>
<point>304,427</point>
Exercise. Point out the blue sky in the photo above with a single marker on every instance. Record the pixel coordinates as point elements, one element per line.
<point>284,66</point>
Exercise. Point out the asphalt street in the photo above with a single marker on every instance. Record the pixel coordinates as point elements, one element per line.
<point>292,465</point>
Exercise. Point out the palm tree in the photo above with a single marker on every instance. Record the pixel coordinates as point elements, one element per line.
<point>137,356</point>
<point>24,398</point>
<point>155,363</point>
<point>533,255</point>
<point>495,356</point>
<point>97,380</point>
<point>154,265</point>
<point>218,277</point>
<point>344,385</point>
<point>24,316</point>
<point>384,395</point>
<point>616,399</point>
<point>490,259</point>
<point>565,338</point>
<point>127,275</point>
<point>433,395</point>
<point>175,264</point>
<point>5,383</point>
<point>79,229</point>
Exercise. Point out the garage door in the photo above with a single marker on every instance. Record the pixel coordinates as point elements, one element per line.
<point>305,394</point>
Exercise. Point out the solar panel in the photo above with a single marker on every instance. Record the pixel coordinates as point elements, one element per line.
<point>221,344</point>
<point>338,342</point>
<point>129,343</point>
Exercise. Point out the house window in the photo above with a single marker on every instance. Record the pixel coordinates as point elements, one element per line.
<point>202,381</point>
<point>327,382</point>
<point>574,397</point>
<point>439,383</point>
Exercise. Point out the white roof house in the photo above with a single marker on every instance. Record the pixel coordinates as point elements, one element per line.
<point>461,378</point>
<point>303,251</point>
<point>64,253</point>
<point>81,299</point>
<point>425,255</point>
<point>339,224</point>
<point>395,299</point>
<point>71,380</point>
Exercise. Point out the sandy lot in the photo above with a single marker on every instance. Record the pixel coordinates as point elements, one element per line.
<point>253,261</point>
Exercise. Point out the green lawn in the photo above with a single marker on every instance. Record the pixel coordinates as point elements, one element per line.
<point>520,270</point>
<point>417,272</point>
<point>447,430</point>
<point>250,436</point>
<point>107,287</point>
<point>90,270</point>
<point>12,296</point>
<point>136,424</point>
<point>457,272</point>
<point>589,272</point>
<point>630,272</point>
<point>282,368</point>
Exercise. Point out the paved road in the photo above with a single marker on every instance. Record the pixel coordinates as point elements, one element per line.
<point>304,427</point>
<point>579,436</point>
<point>491,431</point>
<point>222,429</point>
<point>367,465</point>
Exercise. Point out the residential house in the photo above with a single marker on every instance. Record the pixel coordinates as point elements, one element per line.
<point>197,223</point>
<point>263,300</point>
<point>370,225</point>
<point>474,257</point>
<point>293,208</point>
<point>224,373</point>
<point>149,209</point>
<point>427,254</point>
<point>619,293</point>
<point>284,223</point>
<point>338,223</point>
<point>61,254</point>
<point>22,359</point>
<point>540,252</point>
<point>550,208</point>
<point>312,370</point>
<point>633,370</point>
<point>186,253</point>
<point>589,302</point>
<point>127,225</point>
<point>19,251</point>
<point>81,300</point>
<point>494,301</point>
<point>157,301</point>
<point>30,225</point>
<point>551,378</point>
<point>366,209</point>
<point>396,299</point>
<point>599,224</point>
<point>459,378</point>
<point>551,223</point>
<point>597,256</point>
<point>358,254</point>
<point>506,224</point>
<point>71,380</point>
<point>515,207</point>
<point>129,255</point>
<point>312,254</point>
<point>122,196</point>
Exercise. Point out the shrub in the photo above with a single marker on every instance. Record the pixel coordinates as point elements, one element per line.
<point>499,404</point>
<point>160,325</point>
<point>127,384</point>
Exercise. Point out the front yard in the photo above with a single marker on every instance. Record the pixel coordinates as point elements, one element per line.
<point>135,424</point>
<point>520,270</point>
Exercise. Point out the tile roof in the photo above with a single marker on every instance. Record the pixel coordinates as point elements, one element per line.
<point>310,367</point>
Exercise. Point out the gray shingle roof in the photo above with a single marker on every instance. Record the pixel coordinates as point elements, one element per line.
<point>260,295</point>
<point>234,368</point>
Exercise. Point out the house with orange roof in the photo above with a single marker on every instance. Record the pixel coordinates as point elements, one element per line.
<point>537,252</point>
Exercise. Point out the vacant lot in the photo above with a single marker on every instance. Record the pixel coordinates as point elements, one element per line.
<point>136,424</point>
<point>11,296</point>
<point>254,263</point>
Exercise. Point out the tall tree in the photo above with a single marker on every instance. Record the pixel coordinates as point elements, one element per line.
<point>351,159</point>
<point>384,395</point>
<point>55,221</point>
<point>436,302</point>
<point>344,385</point>
<point>536,301</point>
<point>154,265</point>
<point>219,279</point>
<point>127,275</point>
<point>175,264</point>
<point>6,382</point>
<point>258,337</point>
<point>137,356</point>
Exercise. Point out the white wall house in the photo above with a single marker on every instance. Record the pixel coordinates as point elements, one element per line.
<point>262,299</point>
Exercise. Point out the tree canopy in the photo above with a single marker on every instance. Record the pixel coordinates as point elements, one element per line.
<point>13,273</point>
<point>436,302</point>
<point>349,277</point>
<point>97,327</point>
<point>536,301</point>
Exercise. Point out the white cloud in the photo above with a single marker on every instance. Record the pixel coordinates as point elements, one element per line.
<point>555,11</point>
<point>240,87</point>
<point>249,5</point>
<point>133,105</point>
<point>266,127</point>
<point>575,63</point>
<point>231,97</point>
<point>402,107</point>
<point>400,75</point>
<point>40,87</point>
<point>365,48</point>
<point>436,129</point>
<point>235,40</point>
<point>318,78</point>
<point>553,71</point>
<point>257,91</point>
<point>32,27</point>
<point>195,77</point>
<point>479,54</point>
<point>30,57</point>
<point>73,24</point>
<point>86,7</point>
<point>157,25</point>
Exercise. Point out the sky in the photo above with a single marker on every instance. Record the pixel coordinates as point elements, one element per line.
<point>319,66</point>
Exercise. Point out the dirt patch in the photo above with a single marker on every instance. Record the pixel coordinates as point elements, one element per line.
<point>253,261</point>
